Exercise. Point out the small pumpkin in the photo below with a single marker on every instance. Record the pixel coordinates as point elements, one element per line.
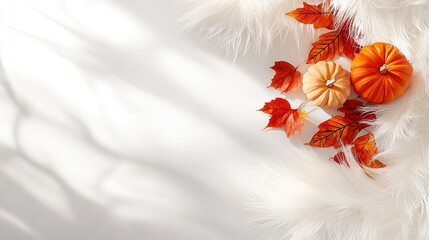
<point>326,84</point>
<point>380,73</point>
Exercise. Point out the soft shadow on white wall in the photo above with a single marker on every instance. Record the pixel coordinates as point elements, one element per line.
<point>115,127</point>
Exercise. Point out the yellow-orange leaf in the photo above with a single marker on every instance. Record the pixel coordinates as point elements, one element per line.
<point>365,148</point>
<point>283,116</point>
<point>295,122</point>
<point>335,132</point>
<point>287,77</point>
<point>318,15</point>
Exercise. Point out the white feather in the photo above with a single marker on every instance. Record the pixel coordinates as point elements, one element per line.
<point>405,25</point>
<point>333,202</point>
<point>398,22</point>
<point>242,25</point>
<point>310,197</point>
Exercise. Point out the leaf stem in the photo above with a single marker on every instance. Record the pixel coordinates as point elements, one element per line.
<point>299,65</point>
<point>306,100</point>
<point>313,110</point>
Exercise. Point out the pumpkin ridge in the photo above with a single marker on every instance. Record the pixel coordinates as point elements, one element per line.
<point>363,81</point>
<point>310,86</point>
<point>372,55</point>
<point>400,65</point>
<point>398,80</point>
<point>315,74</point>
<point>339,93</point>
<point>362,63</point>
<point>337,88</point>
<point>400,69</point>
<point>329,67</point>
<point>325,66</point>
<point>380,50</point>
<point>374,86</point>
<point>396,60</point>
<point>368,60</point>
<point>314,84</point>
<point>334,67</point>
<point>377,90</point>
<point>362,72</point>
<point>335,97</point>
<point>391,53</point>
<point>390,95</point>
<point>316,95</point>
<point>324,100</point>
<point>366,84</point>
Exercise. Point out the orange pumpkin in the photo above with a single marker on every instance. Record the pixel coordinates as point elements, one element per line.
<point>326,84</point>
<point>380,73</point>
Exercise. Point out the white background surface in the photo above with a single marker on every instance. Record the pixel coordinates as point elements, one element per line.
<point>113,125</point>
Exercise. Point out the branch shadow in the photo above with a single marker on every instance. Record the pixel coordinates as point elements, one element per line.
<point>92,220</point>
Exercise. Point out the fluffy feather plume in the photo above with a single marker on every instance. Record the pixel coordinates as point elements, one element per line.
<point>240,25</point>
<point>398,22</point>
<point>405,25</point>
<point>312,198</point>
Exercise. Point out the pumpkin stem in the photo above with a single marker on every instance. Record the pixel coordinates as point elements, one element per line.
<point>383,69</point>
<point>330,82</point>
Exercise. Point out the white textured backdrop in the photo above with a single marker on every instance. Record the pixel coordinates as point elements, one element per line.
<point>113,125</point>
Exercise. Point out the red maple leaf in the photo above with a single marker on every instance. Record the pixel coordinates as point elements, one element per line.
<point>351,110</point>
<point>287,77</point>
<point>350,45</point>
<point>283,116</point>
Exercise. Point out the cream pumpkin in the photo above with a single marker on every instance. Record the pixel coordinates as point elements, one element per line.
<point>326,84</point>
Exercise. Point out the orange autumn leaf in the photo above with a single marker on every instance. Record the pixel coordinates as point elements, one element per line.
<point>335,132</point>
<point>333,43</point>
<point>365,148</point>
<point>283,116</point>
<point>287,77</point>
<point>326,47</point>
<point>376,164</point>
<point>319,15</point>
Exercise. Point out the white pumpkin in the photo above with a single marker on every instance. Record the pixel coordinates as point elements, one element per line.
<point>326,84</point>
